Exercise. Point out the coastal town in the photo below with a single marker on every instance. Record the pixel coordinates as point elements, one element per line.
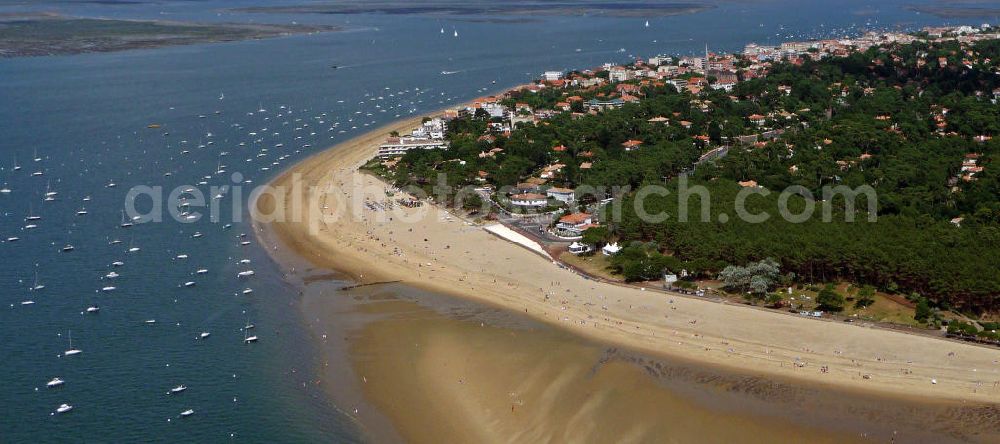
<point>546,205</point>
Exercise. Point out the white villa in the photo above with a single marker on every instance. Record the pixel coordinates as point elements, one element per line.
<point>564,195</point>
<point>529,200</point>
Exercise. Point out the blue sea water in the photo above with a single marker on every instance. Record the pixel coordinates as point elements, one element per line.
<point>85,118</point>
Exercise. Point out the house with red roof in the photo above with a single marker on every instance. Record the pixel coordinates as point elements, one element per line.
<point>631,144</point>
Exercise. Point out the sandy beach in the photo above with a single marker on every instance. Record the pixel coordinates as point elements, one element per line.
<point>426,247</point>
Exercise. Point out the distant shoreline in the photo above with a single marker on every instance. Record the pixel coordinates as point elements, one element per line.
<point>459,9</point>
<point>956,12</point>
<point>45,34</point>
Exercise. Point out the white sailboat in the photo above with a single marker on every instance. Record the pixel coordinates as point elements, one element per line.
<point>647,23</point>
<point>37,285</point>
<point>248,339</point>
<point>456,33</point>
<point>31,214</point>
<point>72,351</point>
<point>49,194</point>
<point>125,222</point>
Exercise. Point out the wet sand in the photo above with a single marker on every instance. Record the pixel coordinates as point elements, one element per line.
<point>436,368</point>
<point>418,364</point>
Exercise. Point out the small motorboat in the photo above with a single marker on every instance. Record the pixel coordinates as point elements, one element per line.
<point>187,413</point>
<point>63,408</point>
<point>178,389</point>
<point>204,335</point>
<point>93,309</point>
<point>55,382</point>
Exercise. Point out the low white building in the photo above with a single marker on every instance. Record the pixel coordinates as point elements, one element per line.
<point>552,75</point>
<point>431,129</point>
<point>397,146</point>
<point>529,200</point>
<point>578,248</point>
<point>619,74</point>
<point>564,195</point>
<point>611,249</point>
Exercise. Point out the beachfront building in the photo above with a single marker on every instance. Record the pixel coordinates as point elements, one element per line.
<point>431,129</point>
<point>573,225</point>
<point>397,146</point>
<point>564,195</point>
<point>529,200</point>
<point>578,248</point>
<point>551,76</point>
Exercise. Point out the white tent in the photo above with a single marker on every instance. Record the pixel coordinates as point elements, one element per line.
<point>611,249</point>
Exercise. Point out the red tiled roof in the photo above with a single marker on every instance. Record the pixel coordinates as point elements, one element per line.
<point>575,218</point>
